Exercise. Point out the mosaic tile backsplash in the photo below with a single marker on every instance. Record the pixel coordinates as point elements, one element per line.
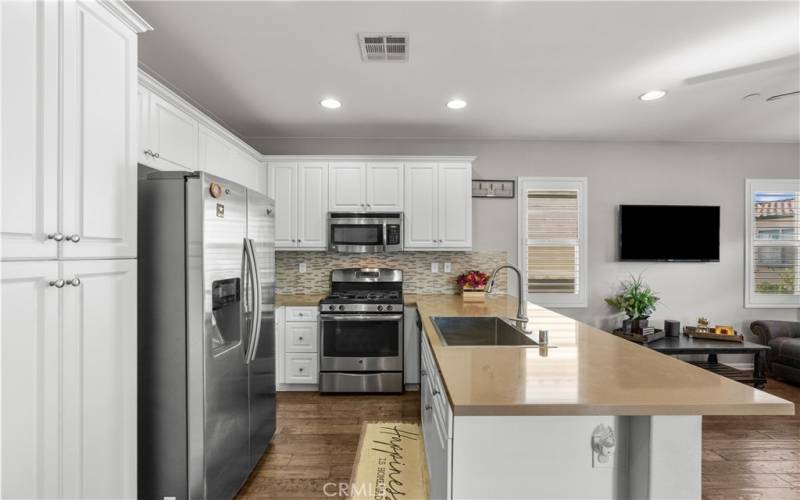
<point>416,266</point>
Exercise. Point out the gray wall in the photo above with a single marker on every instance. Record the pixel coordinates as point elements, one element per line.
<point>697,173</point>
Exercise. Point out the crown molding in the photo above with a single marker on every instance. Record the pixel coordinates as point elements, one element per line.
<point>367,158</point>
<point>127,15</point>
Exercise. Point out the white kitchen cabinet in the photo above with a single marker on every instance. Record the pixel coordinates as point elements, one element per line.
<point>99,379</point>
<point>282,188</point>
<point>98,195</point>
<point>438,206</point>
<point>301,368</point>
<point>312,203</point>
<point>219,156</point>
<point>347,187</point>
<point>375,186</point>
<point>297,347</point>
<point>437,425</point>
<point>29,130</point>
<point>300,191</point>
<point>143,153</point>
<point>31,341</point>
<point>173,136</point>
<point>455,205</point>
<point>384,186</point>
<point>301,336</point>
<point>420,215</point>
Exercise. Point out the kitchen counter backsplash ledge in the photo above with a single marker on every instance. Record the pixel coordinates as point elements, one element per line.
<point>416,266</point>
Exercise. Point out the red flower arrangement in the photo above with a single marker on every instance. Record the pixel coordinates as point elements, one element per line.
<point>473,280</point>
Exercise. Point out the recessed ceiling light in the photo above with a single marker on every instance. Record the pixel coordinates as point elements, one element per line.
<point>457,104</point>
<point>652,95</point>
<point>330,103</point>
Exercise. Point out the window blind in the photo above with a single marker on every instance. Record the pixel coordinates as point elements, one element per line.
<point>553,241</point>
<point>776,243</point>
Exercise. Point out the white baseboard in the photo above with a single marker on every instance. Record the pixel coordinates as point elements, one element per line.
<point>297,387</point>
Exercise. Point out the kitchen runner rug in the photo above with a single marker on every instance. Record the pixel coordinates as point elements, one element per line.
<point>390,463</point>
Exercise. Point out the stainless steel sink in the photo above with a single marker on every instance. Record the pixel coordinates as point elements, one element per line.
<point>478,331</point>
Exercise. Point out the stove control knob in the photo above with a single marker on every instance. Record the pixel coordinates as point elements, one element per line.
<point>380,308</point>
<point>341,308</point>
<point>331,307</point>
<point>388,308</point>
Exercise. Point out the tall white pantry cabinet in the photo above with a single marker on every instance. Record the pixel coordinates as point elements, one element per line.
<point>68,243</point>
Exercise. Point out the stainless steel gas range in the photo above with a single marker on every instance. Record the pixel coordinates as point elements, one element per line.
<point>361,332</point>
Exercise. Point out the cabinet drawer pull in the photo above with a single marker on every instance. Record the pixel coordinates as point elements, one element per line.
<point>74,238</point>
<point>436,392</point>
<point>428,407</point>
<point>59,283</point>
<point>55,236</point>
<point>74,282</point>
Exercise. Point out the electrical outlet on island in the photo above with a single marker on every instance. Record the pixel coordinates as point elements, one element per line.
<point>448,268</point>
<point>434,267</point>
<point>301,267</point>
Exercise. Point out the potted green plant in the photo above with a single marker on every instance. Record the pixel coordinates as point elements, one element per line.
<point>636,299</point>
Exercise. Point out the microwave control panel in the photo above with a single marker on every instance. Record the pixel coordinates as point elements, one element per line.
<point>393,234</point>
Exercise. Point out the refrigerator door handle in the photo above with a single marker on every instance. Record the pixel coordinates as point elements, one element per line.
<point>255,333</point>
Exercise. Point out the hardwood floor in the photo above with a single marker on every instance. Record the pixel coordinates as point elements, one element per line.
<point>753,457</point>
<point>748,458</point>
<point>316,441</point>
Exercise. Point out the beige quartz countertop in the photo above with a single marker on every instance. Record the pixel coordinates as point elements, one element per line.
<point>298,300</point>
<point>586,371</point>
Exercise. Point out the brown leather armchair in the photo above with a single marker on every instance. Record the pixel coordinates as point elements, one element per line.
<point>784,339</point>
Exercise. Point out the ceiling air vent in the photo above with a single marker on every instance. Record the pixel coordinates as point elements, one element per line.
<point>383,46</point>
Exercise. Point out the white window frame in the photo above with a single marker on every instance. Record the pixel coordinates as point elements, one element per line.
<point>580,184</point>
<point>752,299</point>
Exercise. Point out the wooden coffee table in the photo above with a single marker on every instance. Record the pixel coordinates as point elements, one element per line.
<point>687,345</point>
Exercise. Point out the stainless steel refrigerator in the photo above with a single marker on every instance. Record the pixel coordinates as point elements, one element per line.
<point>206,334</point>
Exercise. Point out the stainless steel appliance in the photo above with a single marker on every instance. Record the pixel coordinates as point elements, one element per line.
<point>365,232</point>
<point>206,334</point>
<point>361,332</point>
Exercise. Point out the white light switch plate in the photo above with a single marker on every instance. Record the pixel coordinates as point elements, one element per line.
<point>448,267</point>
<point>301,267</point>
<point>434,267</point>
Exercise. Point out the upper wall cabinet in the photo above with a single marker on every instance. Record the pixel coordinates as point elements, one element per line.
<point>174,135</point>
<point>366,186</point>
<point>438,200</point>
<point>69,79</point>
<point>29,128</point>
<point>300,191</point>
<point>171,138</point>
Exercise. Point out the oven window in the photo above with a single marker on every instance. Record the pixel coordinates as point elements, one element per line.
<point>361,339</point>
<point>357,234</point>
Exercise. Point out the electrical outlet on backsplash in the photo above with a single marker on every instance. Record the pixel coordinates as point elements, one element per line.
<point>416,266</point>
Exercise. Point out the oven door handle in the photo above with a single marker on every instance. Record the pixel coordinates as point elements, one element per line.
<point>360,317</point>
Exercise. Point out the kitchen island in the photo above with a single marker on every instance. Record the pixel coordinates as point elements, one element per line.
<point>514,422</point>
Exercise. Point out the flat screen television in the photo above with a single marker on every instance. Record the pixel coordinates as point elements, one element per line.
<point>679,233</point>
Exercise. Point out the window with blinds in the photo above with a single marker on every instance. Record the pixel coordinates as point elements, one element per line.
<point>553,240</point>
<point>773,256</point>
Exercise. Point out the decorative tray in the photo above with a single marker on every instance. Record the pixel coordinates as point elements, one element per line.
<point>709,334</point>
<point>638,337</point>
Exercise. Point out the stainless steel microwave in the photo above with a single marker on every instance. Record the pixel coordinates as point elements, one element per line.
<point>365,232</point>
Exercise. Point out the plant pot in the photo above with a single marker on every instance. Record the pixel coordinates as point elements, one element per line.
<point>638,324</point>
<point>473,295</point>
<point>626,325</point>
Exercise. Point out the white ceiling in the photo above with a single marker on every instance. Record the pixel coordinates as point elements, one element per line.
<point>543,70</point>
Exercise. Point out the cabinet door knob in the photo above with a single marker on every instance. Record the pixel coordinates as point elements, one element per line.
<point>156,155</point>
<point>59,283</point>
<point>423,373</point>
<point>436,392</point>
<point>148,152</point>
<point>301,369</point>
<point>428,407</point>
<point>74,238</point>
<point>55,236</point>
<point>299,241</point>
<point>74,282</point>
<point>299,338</point>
